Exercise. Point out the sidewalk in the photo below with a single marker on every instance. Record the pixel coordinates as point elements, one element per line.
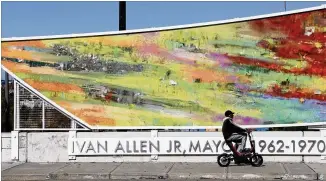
<point>106,171</point>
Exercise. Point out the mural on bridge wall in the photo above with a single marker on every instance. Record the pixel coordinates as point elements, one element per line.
<point>268,71</point>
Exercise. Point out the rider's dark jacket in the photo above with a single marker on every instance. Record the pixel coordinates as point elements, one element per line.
<point>229,127</point>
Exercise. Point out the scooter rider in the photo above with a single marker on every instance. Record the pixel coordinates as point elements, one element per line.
<point>234,133</point>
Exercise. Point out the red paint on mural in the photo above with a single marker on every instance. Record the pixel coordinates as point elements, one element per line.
<point>277,90</point>
<point>297,44</point>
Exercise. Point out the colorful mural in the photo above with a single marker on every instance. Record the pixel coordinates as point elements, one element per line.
<point>268,71</point>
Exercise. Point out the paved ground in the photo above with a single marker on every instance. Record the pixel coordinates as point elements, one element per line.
<point>173,180</point>
<point>170,171</point>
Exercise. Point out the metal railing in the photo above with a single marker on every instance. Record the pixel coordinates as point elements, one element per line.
<point>33,113</point>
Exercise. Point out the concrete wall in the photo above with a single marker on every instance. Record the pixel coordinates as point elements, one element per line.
<point>52,147</point>
<point>6,147</point>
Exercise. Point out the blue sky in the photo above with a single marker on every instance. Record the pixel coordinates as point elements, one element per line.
<point>52,18</point>
<point>49,18</point>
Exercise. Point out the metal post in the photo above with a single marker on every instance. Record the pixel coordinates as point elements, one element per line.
<point>122,15</point>
<point>43,114</point>
<point>15,104</point>
<point>73,124</point>
<point>285,5</point>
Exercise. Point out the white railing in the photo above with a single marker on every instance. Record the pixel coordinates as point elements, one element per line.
<point>33,113</point>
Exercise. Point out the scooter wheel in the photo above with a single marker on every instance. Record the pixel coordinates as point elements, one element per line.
<point>256,160</point>
<point>223,160</point>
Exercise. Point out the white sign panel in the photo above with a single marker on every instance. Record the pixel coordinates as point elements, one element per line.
<point>147,146</point>
<point>192,146</point>
<point>292,146</point>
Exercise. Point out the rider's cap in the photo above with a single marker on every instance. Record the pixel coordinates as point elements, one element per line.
<point>228,112</point>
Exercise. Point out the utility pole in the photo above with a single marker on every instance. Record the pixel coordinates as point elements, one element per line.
<point>122,15</point>
<point>122,22</point>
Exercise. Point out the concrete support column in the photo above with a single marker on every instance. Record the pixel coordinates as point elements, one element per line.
<point>72,134</point>
<point>14,145</point>
<point>323,135</point>
<point>154,134</point>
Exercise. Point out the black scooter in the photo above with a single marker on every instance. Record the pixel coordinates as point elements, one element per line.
<point>249,155</point>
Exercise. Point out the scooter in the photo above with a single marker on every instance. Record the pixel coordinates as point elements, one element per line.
<point>249,154</point>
